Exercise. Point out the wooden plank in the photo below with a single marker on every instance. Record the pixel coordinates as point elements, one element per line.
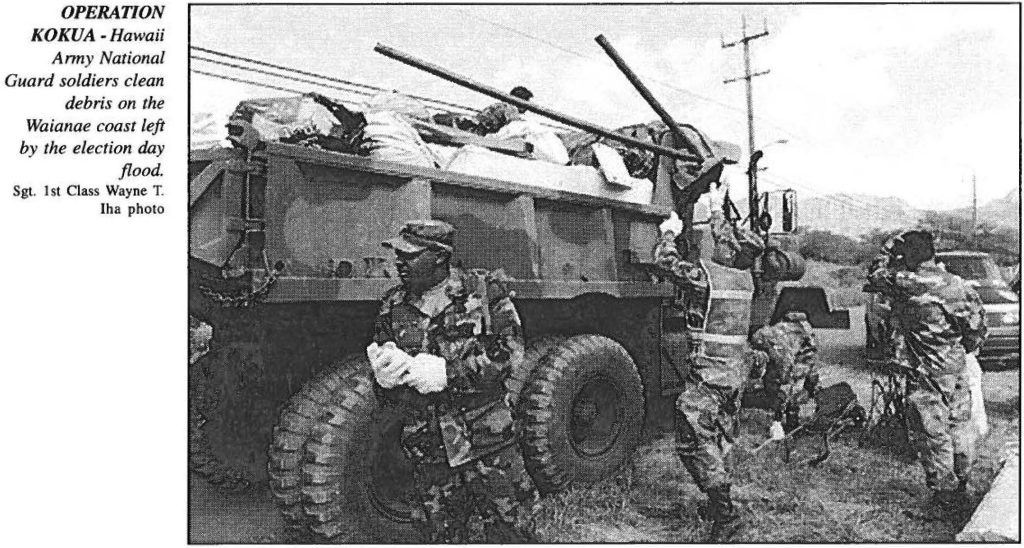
<point>201,183</point>
<point>212,154</point>
<point>396,169</point>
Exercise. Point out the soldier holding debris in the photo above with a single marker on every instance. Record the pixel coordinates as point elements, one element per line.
<point>444,343</point>
<point>936,319</point>
<point>498,115</point>
<point>704,412</point>
<point>788,352</point>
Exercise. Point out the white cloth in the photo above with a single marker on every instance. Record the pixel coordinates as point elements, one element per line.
<point>388,136</point>
<point>978,416</point>
<point>546,144</point>
<point>427,373</point>
<point>673,224</point>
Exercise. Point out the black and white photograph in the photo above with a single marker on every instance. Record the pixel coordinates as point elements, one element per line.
<point>602,273</point>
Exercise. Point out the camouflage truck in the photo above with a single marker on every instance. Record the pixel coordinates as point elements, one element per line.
<point>287,267</point>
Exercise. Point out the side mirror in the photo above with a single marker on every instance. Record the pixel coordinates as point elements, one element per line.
<point>789,211</point>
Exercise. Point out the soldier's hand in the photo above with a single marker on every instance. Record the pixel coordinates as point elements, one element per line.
<point>672,225</point>
<point>390,365</point>
<point>427,374</point>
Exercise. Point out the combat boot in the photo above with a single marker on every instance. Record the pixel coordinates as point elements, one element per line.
<point>722,513</point>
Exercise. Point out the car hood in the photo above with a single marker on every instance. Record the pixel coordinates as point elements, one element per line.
<point>995,293</point>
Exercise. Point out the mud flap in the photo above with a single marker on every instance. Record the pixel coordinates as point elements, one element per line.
<point>813,302</point>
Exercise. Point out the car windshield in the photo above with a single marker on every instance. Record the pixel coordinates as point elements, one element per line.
<point>980,268</point>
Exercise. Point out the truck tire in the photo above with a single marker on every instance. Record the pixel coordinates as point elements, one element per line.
<point>337,469</point>
<point>582,412</point>
<point>229,417</point>
<point>520,375</point>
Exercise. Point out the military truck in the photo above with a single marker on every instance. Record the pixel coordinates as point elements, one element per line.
<point>287,267</point>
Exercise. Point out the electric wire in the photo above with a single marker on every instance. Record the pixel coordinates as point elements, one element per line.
<point>660,82</point>
<point>284,76</point>
<point>329,78</point>
<point>466,109</point>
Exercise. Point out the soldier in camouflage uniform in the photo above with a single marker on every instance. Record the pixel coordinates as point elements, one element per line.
<point>789,351</point>
<point>444,343</point>
<point>705,410</point>
<point>936,319</point>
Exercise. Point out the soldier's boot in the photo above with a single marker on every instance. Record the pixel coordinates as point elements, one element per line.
<point>792,418</point>
<point>725,519</point>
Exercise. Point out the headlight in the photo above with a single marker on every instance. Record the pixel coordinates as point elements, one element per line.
<point>1011,318</point>
<point>1008,295</point>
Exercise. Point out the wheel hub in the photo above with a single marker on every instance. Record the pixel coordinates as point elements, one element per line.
<point>595,422</point>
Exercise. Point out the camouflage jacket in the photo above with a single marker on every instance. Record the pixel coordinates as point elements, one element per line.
<point>935,316</point>
<point>470,321</point>
<point>722,358</point>
<point>790,349</point>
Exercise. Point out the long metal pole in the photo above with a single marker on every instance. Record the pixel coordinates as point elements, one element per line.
<point>753,197</point>
<point>527,105</point>
<point>644,92</point>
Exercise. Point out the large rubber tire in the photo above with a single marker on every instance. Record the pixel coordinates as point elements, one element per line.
<point>520,375</point>
<point>227,413</point>
<point>337,469</point>
<point>582,412</point>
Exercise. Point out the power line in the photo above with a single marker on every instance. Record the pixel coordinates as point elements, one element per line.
<point>432,103</point>
<point>284,76</point>
<point>261,84</point>
<point>329,78</point>
<point>660,82</point>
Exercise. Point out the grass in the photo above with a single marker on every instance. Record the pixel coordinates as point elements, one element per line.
<point>873,493</point>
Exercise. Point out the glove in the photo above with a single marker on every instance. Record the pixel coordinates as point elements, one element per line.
<point>716,197</point>
<point>776,432</point>
<point>427,374</point>
<point>390,364</point>
<point>672,225</point>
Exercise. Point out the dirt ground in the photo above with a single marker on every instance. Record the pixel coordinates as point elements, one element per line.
<point>864,492</point>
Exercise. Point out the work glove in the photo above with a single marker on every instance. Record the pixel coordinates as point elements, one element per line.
<point>390,364</point>
<point>427,374</point>
<point>776,432</point>
<point>673,225</point>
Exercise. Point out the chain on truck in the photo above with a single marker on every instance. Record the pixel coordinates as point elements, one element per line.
<point>286,266</point>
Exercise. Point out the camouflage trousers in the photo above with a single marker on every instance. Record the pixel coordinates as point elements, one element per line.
<point>487,500</point>
<point>943,407</point>
<point>704,424</point>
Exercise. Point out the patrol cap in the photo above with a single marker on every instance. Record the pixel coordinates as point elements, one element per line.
<point>417,236</point>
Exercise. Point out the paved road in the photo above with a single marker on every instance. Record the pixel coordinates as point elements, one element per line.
<point>252,517</point>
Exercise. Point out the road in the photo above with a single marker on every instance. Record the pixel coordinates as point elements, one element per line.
<point>251,517</point>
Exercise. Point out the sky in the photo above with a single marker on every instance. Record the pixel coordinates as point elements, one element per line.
<point>908,101</point>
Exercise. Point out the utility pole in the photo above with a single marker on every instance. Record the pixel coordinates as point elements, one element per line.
<point>974,204</point>
<point>753,197</point>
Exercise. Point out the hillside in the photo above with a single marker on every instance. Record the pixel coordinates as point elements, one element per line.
<point>856,214</point>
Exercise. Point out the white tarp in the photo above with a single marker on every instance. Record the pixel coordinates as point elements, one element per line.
<point>474,160</point>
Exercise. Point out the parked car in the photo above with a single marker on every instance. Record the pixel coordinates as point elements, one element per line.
<point>1002,309</point>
